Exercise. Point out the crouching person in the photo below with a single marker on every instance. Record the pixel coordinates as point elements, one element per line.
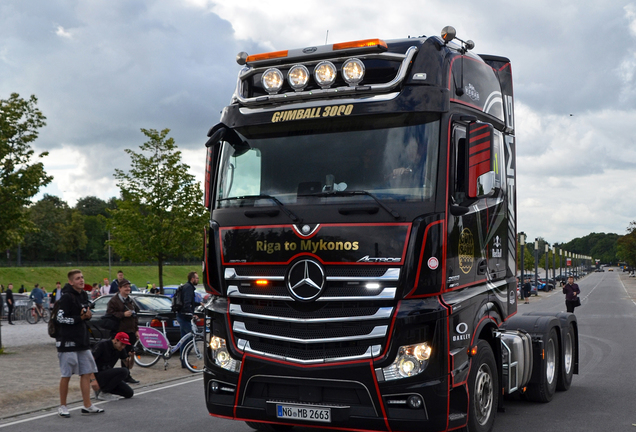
<point>109,381</point>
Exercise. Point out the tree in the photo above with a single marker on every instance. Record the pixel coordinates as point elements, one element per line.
<point>627,245</point>
<point>20,177</point>
<point>49,219</point>
<point>160,213</point>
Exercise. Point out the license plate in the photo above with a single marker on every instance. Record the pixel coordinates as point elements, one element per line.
<point>295,412</point>
<point>175,323</point>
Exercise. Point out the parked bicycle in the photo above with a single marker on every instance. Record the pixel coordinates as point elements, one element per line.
<point>153,345</point>
<point>36,312</point>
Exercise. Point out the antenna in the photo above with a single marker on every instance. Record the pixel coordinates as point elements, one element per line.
<point>327,37</point>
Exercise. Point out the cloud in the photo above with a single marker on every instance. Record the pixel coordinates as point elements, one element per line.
<point>106,68</point>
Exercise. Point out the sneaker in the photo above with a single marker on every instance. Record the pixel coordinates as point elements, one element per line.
<point>91,410</point>
<point>103,396</point>
<point>62,411</point>
<point>131,380</point>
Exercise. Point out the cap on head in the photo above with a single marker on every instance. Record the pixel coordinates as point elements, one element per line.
<point>123,338</point>
<point>124,282</point>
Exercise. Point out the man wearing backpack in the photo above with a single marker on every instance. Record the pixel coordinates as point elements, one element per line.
<point>73,348</point>
<point>184,316</point>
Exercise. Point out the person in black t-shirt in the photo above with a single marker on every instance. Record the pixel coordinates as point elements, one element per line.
<point>109,381</point>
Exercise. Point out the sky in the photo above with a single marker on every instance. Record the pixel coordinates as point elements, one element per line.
<point>104,69</point>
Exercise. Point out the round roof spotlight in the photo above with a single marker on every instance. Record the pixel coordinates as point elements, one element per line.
<point>297,77</point>
<point>325,74</point>
<point>353,71</point>
<point>448,33</point>
<point>272,80</point>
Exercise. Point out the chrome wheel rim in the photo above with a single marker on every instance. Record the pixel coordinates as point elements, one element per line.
<point>483,394</point>
<point>550,361</point>
<point>567,355</point>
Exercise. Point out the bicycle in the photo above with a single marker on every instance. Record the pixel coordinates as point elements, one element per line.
<point>34,315</point>
<point>153,345</point>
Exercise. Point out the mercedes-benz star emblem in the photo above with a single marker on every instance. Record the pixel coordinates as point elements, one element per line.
<point>305,280</point>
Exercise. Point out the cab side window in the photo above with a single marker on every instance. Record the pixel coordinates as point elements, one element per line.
<point>459,163</point>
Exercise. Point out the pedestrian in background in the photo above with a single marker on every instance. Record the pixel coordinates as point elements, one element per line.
<point>10,303</point>
<point>571,291</point>
<point>527,288</point>
<point>114,286</point>
<point>184,316</point>
<point>72,342</point>
<point>95,291</point>
<point>57,291</point>
<point>123,307</point>
<point>105,289</point>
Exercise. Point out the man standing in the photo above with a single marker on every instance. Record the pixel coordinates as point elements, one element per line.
<point>527,288</point>
<point>124,308</point>
<point>114,286</point>
<point>109,381</point>
<point>54,294</point>
<point>73,349</point>
<point>10,302</point>
<point>184,316</point>
<point>571,291</point>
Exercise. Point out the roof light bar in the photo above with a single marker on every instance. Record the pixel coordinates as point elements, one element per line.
<point>266,56</point>
<point>364,43</point>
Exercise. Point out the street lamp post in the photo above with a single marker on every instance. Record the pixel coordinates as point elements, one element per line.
<point>554,264</point>
<point>536,261</point>
<point>522,244</point>
<point>547,261</point>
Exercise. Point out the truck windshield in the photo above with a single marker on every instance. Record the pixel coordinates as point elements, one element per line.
<point>393,164</point>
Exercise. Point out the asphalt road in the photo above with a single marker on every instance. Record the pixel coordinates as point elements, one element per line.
<point>602,396</point>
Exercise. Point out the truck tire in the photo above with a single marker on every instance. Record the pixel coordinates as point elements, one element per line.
<point>567,365</point>
<point>483,388</point>
<point>543,391</point>
<point>267,427</point>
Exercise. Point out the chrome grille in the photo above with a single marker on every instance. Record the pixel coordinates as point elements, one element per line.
<point>350,320</point>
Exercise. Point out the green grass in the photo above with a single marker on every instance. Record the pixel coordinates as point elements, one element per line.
<point>47,276</point>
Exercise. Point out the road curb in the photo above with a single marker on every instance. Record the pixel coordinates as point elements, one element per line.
<point>79,400</point>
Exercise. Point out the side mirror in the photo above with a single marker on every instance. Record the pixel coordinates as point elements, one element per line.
<point>480,150</point>
<point>486,184</point>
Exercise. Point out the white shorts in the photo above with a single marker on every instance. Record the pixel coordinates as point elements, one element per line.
<point>76,362</point>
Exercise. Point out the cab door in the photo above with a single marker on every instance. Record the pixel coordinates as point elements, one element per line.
<point>477,234</point>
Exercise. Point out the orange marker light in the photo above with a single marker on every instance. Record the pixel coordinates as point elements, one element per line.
<point>262,282</point>
<point>267,56</point>
<point>360,44</point>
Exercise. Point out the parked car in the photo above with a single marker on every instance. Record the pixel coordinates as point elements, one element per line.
<point>200,295</point>
<point>150,305</point>
<point>543,286</point>
<point>599,270</point>
<point>20,307</point>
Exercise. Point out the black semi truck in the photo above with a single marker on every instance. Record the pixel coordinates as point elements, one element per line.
<point>362,243</point>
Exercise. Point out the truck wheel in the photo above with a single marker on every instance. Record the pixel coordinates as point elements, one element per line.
<point>543,391</point>
<point>267,427</point>
<point>483,387</point>
<point>567,369</point>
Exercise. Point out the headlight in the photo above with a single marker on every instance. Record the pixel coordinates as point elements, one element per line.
<point>221,356</point>
<point>410,361</point>
<point>325,74</point>
<point>353,71</point>
<point>297,77</point>
<point>272,80</point>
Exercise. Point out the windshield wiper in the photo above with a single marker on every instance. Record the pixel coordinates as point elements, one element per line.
<point>388,209</point>
<point>280,205</point>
